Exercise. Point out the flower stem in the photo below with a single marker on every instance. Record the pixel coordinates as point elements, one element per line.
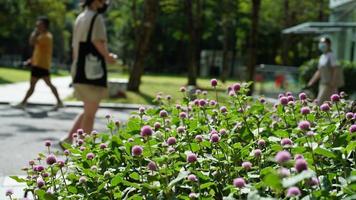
<point>64,180</point>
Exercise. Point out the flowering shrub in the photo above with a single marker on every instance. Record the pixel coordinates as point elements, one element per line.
<point>200,149</point>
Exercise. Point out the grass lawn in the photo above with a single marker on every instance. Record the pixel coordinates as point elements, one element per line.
<point>166,84</point>
<point>12,75</point>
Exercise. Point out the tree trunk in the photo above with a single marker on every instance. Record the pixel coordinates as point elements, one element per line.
<point>252,48</point>
<point>143,43</point>
<point>192,46</point>
<point>228,9</point>
<point>286,38</point>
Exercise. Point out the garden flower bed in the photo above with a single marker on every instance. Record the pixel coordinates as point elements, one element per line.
<point>201,149</point>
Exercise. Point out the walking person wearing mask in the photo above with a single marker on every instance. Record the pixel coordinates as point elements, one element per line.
<point>329,74</point>
<point>90,55</point>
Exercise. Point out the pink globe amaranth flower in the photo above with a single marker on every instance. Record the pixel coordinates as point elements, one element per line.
<point>232,93</point>
<point>335,98</point>
<point>202,102</point>
<point>171,149</point>
<point>286,141</point>
<point>94,168</point>
<point>305,110</point>
<point>193,195</point>
<point>82,148</point>
<point>107,116</point>
<point>229,89</point>
<point>283,172</point>
<point>298,156</point>
<point>280,96</point>
<point>157,125</point>
<point>146,131</point>
<point>9,192</point>
<point>66,152</point>
<point>137,150</point>
<point>80,142</point>
<point>213,132</point>
<point>31,162</point>
<point>300,165</point>
<point>171,141</point>
<point>178,106</point>
<point>95,133</point>
<point>40,182</point>
<point>192,178</point>
<point>183,115</point>
<point>163,114</point>
<point>205,93</point>
<point>353,128</point>
<point>38,168</point>
<point>223,109</point>
<point>152,166</point>
<point>236,87</point>
<point>343,94</point>
<point>257,153</point>
<point>168,97</point>
<point>199,138</point>
<point>158,97</point>
<point>313,181</point>
<point>214,138</point>
<point>310,134</point>
<point>197,92</point>
<point>196,102</point>
<point>117,123</point>
<point>60,163</point>
<point>349,115</point>
<point>283,100</point>
<point>82,180</point>
<point>51,159</point>
<point>80,131</point>
<point>103,146</point>
<point>141,110</point>
<point>48,143</point>
<point>214,82</point>
<point>75,135</point>
<point>212,102</point>
<point>282,157</point>
<point>239,182</point>
<point>293,192</point>
<point>302,96</point>
<point>45,175</point>
<point>304,125</point>
<point>261,143</point>
<point>90,156</point>
<point>290,98</point>
<point>289,94</point>
<point>262,100</point>
<point>191,157</point>
<point>246,165</point>
<point>325,107</point>
<point>183,89</point>
<point>222,131</point>
<point>181,129</point>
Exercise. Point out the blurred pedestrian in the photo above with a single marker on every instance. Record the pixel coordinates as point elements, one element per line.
<point>40,62</point>
<point>90,55</point>
<point>329,73</point>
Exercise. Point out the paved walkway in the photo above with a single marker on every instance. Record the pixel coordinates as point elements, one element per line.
<point>11,93</point>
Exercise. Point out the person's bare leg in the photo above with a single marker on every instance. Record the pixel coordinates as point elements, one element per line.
<point>30,91</point>
<point>47,80</point>
<point>77,125</point>
<point>90,109</point>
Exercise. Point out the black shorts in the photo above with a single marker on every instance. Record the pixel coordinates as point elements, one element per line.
<point>39,72</point>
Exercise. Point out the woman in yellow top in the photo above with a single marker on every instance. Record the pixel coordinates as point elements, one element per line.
<point>41,60</point>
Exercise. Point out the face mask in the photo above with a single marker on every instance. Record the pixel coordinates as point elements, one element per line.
<point>322,47</point>
<point>104,8</point>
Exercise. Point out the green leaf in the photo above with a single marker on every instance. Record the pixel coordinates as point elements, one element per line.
<point>296,179</point>
<point>324,152</point>
<point>181,176</point>
<point>273,181</point>
<point>206,185</point>
<point>72,189</point>
<point>281,133</point>
<point>135,175</point>
<point>18,179</point>
<point>116,180</point>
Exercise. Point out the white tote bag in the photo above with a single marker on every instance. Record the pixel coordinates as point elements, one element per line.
<point>93,67</point>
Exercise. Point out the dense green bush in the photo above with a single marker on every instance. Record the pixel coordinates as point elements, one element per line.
<point>307,70</point>
<point>201,149</point>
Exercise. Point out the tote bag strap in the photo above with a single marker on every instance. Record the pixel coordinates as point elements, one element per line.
<point>91,28</point>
